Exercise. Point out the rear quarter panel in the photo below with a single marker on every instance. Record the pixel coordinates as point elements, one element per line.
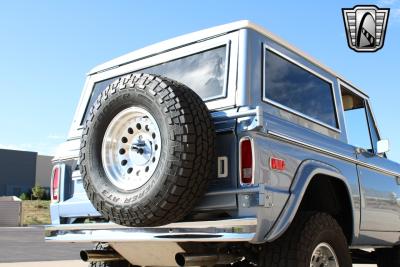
<point>291,126</point>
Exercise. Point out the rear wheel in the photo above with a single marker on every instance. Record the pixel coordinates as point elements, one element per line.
<point>313,240</point>
<point>388,257</point>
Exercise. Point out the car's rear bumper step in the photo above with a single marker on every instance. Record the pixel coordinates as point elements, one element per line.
<point>234,230</point>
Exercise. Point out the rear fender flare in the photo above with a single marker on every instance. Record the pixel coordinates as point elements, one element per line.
<point>305,173</point>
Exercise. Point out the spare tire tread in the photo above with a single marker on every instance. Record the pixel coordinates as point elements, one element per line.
<point>191,159</point>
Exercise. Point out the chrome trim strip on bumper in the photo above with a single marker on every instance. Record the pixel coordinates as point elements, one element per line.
<point>235,230</point>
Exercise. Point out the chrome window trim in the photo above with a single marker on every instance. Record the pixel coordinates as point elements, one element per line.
<point>298,113</point>
<point>342,109</point>
<point>230,39</point>
<point>369,127</point>
<point>373,118</point>
<point>372,127</point>
<point>352,89</point>
<point>331,153</point>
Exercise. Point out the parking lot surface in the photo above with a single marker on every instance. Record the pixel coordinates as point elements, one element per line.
<point>25,247</point>
<point>26,244</point>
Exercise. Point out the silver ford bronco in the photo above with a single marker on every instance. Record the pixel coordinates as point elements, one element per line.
<point>226,146</point>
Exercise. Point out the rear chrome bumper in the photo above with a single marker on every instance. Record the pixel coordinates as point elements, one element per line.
<point>234,230</point>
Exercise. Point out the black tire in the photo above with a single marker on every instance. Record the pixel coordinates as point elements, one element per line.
<point>296,246</point>
<point>388,257</point>
<point>187,153</point>
<point>103,246</point>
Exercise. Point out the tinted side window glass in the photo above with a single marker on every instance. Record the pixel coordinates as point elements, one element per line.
<point>357,128</point>
<point>298,89</point>
<point>204,72</point>
<point>355,116</point>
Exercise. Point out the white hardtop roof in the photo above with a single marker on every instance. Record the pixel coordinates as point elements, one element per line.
<point>205,34</point>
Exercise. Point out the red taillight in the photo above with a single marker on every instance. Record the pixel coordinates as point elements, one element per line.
<point>246,161</point>
<point>55,183</point>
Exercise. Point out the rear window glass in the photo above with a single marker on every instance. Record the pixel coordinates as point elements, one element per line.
<point>204,72</point>
<point>299,90</point>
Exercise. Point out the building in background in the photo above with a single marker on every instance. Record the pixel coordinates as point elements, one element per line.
<point>21,170</point>
<point>43,171</point>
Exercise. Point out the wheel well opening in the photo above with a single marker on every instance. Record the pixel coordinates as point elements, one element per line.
<point>330,195</point>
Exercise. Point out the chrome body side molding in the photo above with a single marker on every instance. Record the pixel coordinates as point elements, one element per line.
<point>331,153</point>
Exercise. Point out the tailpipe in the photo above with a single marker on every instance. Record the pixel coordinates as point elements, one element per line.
<point>184,259</point>
<point>100,255</point>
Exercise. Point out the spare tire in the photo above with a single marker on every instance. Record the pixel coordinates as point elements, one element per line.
<point>147,151</point>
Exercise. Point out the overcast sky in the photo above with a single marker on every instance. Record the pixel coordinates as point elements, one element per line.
<point>47,47</point>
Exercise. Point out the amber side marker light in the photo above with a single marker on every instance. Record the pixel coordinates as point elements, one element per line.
<point>277,164</point>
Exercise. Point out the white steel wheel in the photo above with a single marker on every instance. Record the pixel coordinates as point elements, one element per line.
<point>131,148</point>
<point>324,256</point>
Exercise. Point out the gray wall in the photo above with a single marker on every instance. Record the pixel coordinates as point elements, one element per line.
<point>43,170</point>
<point>17,172</point>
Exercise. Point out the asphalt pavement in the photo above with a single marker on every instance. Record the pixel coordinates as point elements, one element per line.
<point>26,244</point>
